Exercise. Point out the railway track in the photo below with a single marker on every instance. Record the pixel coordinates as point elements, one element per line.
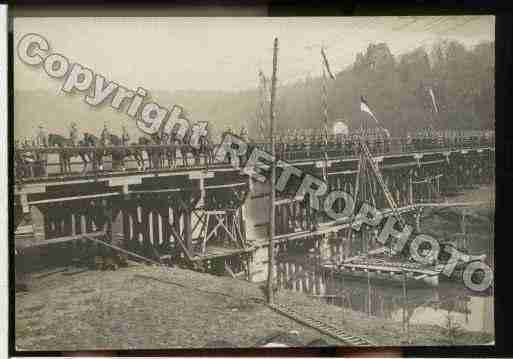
<point>323,327</point>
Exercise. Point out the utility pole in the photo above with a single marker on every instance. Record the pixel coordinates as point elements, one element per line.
<point>270,271</point>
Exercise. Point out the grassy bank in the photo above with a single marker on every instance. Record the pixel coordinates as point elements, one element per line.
<point>125,310</point>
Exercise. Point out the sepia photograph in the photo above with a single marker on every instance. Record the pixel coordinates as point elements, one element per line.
<point>253,182</point>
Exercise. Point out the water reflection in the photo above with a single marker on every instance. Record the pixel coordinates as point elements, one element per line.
<point>415,305</point>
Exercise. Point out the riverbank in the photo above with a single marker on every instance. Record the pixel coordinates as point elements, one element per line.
<point>149,307</point>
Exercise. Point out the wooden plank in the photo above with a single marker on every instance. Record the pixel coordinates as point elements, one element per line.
<point>61,239</point>
<point>384,268</point>
<point>223,254</point>
<point>119,249</point>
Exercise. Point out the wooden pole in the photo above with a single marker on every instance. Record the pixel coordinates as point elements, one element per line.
<point>369,293</point>
<point>270,272</point>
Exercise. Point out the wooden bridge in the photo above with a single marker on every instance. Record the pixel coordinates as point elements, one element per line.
<point>195,213</point>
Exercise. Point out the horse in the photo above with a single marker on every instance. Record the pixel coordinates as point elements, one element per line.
<point>118,155</point>
<point>154,155</point>
<point>23,163</point>
<point>137,154</point>
<point>67,155</point>
<point>203,147</point>
<point>99,151</point>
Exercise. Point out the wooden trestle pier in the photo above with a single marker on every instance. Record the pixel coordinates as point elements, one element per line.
<point>196,214</point>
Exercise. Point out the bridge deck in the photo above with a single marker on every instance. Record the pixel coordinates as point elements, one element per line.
<point>135,174</point>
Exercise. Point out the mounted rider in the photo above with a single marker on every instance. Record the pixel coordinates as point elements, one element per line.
<point>42,142</point>
<point>244,134</point>
<point>42,137</point>
<point>105,135</point>
<point>73,134</point>
<point>125,137</point>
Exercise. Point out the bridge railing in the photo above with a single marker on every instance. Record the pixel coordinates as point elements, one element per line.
<point>300,150</point>
<point>32,162</point>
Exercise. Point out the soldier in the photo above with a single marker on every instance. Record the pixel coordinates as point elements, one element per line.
<point>42,142</point>
<point>467,139</point>
<point>409,142</point>
<point>125,137</point>
<point>28,158</point>
<point>105,135</point>
<point>73,134</point>
<point>386,140</point>
<point>380,138</point>
<point>296,144</point>
<point>286,138</point>
<point>156,154</point>
<point>42,137</point>
<point>369,139</point>
<point>440,139</point>
<point>244,135</point>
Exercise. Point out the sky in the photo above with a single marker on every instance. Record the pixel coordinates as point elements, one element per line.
<point>220,53</point>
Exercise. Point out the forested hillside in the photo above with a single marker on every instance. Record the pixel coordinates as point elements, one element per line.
<point>395,87</point>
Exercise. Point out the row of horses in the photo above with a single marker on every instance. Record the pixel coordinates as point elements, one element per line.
<point>92,150</point>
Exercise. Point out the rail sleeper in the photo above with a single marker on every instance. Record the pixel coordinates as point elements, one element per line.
<point>321,326</point>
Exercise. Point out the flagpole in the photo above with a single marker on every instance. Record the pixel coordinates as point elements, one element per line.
<point>325,68</point>
<point>325,116</point>
<point>270,271</point>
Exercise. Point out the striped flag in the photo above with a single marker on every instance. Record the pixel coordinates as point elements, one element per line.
<point>364,107</point>
<point>433,101</point>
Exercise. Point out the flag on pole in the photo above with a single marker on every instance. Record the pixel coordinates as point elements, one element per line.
<point>432,94</point>
<point>364,107</point>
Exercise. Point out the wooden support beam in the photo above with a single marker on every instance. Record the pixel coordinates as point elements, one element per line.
<point>74,198</point>
<point>229,270</point>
